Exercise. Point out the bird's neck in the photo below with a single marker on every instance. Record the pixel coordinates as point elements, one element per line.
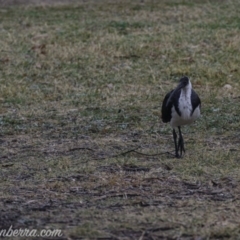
<point>187,90</point>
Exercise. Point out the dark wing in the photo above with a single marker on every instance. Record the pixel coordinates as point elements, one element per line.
<point>167,108</point>
<point>195,100</point>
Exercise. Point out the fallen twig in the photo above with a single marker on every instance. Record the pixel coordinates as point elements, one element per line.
<point>79,148</point>
<point>133,150</point>
<point>117,195</point>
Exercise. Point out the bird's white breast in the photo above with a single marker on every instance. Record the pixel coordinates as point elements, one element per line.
<point>177,120</point>
<point>185,105</point>
<point>185,108</point>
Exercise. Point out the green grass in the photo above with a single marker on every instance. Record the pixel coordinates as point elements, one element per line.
<point>82,84</point>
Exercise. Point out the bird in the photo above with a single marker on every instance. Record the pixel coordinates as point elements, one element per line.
<point>181,106</point>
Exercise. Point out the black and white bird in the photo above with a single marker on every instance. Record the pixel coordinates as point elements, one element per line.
<point>181,107</point>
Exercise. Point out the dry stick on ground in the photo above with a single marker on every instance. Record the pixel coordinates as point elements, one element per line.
<point>132,150</point>
<point>117,195</point>
<point>156,154</point>
<point>70,150</point>
<point>115,155</point>
<point>79,148</point>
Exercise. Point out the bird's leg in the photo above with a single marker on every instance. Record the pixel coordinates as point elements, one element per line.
<point>180,142</point>
<point>175,143</point>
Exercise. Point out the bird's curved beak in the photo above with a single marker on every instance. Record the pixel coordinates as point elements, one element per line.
<point>181,85</point>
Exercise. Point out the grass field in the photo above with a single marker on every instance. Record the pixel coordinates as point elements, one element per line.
<point>83,148</point>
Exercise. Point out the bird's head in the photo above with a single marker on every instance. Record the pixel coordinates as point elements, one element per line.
<point>183,82</point>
